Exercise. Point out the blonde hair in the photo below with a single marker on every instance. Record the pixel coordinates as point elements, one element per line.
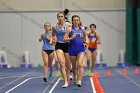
<point>47,23</point>
<point>60,13</point>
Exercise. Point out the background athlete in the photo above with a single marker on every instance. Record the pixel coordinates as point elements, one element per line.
<point>47,50</point>
<point>94,39</point>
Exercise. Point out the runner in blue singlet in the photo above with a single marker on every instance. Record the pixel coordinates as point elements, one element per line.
<point>77,36</point>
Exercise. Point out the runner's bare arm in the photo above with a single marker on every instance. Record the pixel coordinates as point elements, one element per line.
<point>98,41</point>
<point>40,38</point>
<point>66,36</point>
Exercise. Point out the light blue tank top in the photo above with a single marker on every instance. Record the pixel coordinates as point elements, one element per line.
<point>60,32</point>
<point>46,44</point>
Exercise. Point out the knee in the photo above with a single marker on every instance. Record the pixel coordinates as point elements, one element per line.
<point>80,65</point>
<point>68,67</point>
<point>62,65</point>
<point>45,65</point>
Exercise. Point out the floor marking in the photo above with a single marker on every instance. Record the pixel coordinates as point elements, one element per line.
<point>94,91</point>
<point>113,75</point>
<point>22,83</point>
<point>15,80</point>
<point>9,77</point>
<point>130,79</point>
<point>49,85</point>
<point>18,85</point>
<point>55,85</point>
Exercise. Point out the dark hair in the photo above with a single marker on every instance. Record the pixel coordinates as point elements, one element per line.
<point>93,25</point>
<point>60,13</point>
<point>86,28</point>
<point>66,11</point>
<point>74,17</point>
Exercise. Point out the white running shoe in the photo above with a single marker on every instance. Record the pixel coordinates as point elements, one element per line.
<point>65,85</point>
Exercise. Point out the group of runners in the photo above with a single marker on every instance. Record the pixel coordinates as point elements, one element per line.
<point>69,44</point>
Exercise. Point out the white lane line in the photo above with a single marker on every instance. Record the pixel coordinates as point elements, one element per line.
<point>18,85</point>
<point>55,85</point>
<point>48,86</point>
<point>93,88</point>
<point>22,83</point>
<point>9,77</point>
<point>36,77</point>
<point>114,75</point>
<point>15,80</point>
<point>130,79</point>
<point>21,76</point>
